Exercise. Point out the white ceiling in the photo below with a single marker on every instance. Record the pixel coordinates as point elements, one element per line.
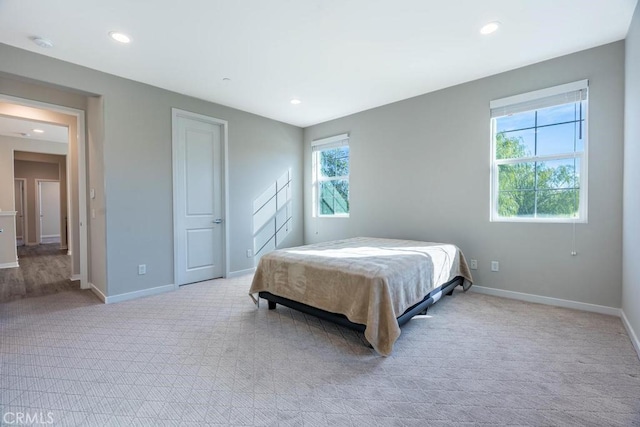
<point>21,128</point>
<point>337,56</point>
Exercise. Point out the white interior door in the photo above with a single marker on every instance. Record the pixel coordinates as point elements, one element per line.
<point>198,167</point>
<point>49,208</point>
<point>19,206</point>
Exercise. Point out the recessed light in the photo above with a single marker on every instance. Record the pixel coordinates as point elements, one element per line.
<point>491,27</point>
<point>119,37</point>
<point>42,42</point>
<point>295,101</point>
<point>38,130</point>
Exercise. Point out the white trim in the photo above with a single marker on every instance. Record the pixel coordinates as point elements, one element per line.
<point>632,334</point>
<point>320,146</point>
<point>175,113</point>
<point>602,309</point>
<point>239,273</point>
<point>537,94</point>
<point>582,156</point>
<point>25,228</point>
<point>330,140</point>
<point>9,265</point>
<point>8,213</point>
<point>139,294</point>
<point>82,202</point>
<point>75,277</point>
<point>225,197</point>
<point>47,240</point>
<point>82,177</point>
<point>98,292</point>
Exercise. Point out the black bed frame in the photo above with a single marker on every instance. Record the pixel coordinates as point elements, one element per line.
<point>340,319</point>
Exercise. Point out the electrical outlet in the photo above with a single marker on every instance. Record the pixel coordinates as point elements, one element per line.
<point>495,266</point>
<point>473,264</point>
<point>142,269</point>
<point>249,253</point>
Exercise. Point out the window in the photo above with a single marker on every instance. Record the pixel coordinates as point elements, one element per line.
<point>539,163</point>
<point>331,176</point>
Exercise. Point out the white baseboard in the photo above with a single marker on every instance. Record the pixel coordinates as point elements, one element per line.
<point>602,309</point>
<point>632,334</point>
<point>139,294</point>
<point>50,239</point>
<point>9,265</point>
<point>68,252</point>
<point>241,272</point>
<point>98,292</point>
<point>74,277</point>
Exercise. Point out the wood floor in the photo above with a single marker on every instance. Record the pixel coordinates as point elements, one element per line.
<point>44,269</point>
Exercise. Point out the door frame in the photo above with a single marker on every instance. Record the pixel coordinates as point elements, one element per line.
<point>82,180</point>
<point>39,208</point>
<point>24,209</point>
<point>175,114</point>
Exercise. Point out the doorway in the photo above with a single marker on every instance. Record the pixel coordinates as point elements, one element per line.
<point>48,208</point>
<point>200,197</point>
<point>76,176</point>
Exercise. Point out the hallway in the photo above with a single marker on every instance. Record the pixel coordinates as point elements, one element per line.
<point>44,269</point>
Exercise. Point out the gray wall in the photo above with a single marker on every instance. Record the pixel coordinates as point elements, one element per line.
<point>631,227</point>
<point>137,167</point>
<point>420,170</point>
<point>97,212</point>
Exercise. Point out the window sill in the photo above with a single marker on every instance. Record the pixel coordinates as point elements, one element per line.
<point>542,220</point>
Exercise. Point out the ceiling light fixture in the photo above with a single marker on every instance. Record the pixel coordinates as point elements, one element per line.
<point>491,27</point>
<point>38,130</point>
<point>42,42</point>
<point>119,37</point>
<point>295,101</point>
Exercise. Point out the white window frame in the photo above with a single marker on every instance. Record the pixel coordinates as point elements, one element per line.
<point>317,146</point>
<point>528,102</point>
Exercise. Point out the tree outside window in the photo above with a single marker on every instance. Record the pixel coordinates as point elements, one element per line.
<point>538,162</point>
<point>331,166</point>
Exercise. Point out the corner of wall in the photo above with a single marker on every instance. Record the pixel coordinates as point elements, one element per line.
<point>632,334</point>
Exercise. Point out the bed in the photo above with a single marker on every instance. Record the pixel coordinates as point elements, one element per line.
<point>372,285</point>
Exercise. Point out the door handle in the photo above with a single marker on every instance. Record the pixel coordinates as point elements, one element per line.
<point>217,221</point>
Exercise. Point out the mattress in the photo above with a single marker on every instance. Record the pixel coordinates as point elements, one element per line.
<point>371,281</point>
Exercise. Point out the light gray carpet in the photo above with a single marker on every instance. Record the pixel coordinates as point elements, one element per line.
<point>205,355</point>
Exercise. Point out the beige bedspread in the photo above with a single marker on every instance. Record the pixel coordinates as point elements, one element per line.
<point>369,280</point>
